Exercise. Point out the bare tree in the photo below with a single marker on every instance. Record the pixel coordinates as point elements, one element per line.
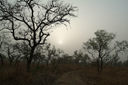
<point>125,63</point>
<point>80,57</point>
<point>100,48</point>
<point>11,52</point>
<point>85,59</point>
<point>30,20</point>
<point>65,59</point>
<point>3,41</point>
<point>39,54</point>
<point>50,52</point>
<point>18,47</point>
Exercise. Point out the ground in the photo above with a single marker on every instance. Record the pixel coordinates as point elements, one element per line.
<point>70,78</point>
<point>63,75</point>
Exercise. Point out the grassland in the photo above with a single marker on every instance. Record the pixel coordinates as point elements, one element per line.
<point>43,75</point>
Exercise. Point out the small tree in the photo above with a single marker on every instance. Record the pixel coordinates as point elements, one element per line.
<point>77,55</point>
<point>125,63</point>
<point>39,55</point>
<point>85,59</point>
<point>50,52</point>
<point>1,44</point>
<point>101,47</point>
<point>22,49</point>
<point>65,59</point>
<point>10,53</point>
<point>18,52</point>
<point>3,40</point>
<point>30,20</point>
<point>80,57</point>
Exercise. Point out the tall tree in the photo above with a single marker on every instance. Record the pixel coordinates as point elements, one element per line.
<point>30,20</point>
<point>100,47</point>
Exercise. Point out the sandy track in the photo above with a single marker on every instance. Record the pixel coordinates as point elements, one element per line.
<point>70,78</point>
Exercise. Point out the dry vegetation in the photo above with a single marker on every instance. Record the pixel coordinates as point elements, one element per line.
<point>109,76</point>
<point>43,75</point>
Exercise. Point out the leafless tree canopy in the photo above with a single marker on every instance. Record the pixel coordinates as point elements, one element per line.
<point>100,48</point>
<point>30,20</point>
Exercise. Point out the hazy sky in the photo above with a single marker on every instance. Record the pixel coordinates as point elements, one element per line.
<point>110,15</point>
<point>93,15</point>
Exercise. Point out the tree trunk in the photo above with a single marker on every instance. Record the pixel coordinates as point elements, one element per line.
<point>10,62</point>
<point>29,60</point>
<point>101,63</point>
<point>28,65</point>
<point>47,61</point>
<point>16,61</point>
<point>98,68</point>
<point>1,60</point>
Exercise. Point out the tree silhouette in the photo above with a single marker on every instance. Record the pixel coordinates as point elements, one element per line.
<point>1,45</point>
<point>3,41</point>
<point>30,20</point>
<point>50,52</point>
<point>100,48</point>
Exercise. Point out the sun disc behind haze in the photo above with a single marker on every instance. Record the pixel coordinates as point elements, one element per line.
<point>60,42</point>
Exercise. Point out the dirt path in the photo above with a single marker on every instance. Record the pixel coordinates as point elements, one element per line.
<point>70,78</point>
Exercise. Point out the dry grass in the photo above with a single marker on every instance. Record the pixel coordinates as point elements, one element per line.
<point>38,75</point>
<point>109,76</point>
<point>43,75</point>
